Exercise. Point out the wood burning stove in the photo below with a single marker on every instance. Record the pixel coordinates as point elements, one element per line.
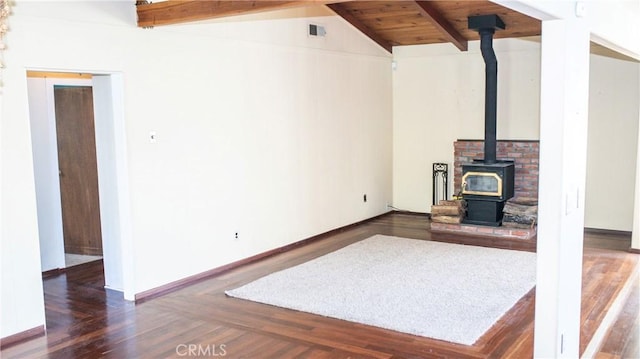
<point>487,183</point>
<point>485,188</point>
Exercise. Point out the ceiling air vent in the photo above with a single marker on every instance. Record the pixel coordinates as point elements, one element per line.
<point>317,30</point>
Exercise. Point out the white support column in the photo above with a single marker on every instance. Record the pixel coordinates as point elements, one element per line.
<point>563,156</point>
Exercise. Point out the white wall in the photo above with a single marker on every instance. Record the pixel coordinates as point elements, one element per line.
<point>21,296</point>
<point>635,239</point>
<point>261,130</point>
<point>614,94</point>
<point>438,95</point>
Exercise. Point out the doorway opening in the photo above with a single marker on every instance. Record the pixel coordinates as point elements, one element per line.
<point>78,139</point>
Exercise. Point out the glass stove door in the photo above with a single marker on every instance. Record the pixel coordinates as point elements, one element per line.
<point>482,183</point>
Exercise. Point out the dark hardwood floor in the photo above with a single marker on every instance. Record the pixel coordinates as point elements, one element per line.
<point>86,321</point>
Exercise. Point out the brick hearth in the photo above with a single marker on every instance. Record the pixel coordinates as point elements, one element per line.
<point>525,155</point>
<point>470,229</point>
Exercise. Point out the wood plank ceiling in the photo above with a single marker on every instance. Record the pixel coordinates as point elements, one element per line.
<point>388,23</point>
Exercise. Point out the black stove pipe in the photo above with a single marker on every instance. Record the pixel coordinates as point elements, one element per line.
<point>486,25</point>
<point>490,94</point>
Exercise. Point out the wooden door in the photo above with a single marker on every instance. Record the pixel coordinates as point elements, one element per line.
<point>78,170</point>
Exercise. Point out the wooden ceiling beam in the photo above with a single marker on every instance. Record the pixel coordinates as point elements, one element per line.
<point>348,16</point>
<point>181,11</point>
<point>440,22</point>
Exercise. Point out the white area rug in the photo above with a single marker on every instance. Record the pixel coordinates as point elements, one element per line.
<point>444,291</point>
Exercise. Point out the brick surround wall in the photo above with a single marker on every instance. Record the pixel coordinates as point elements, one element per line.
<point>524,153</point>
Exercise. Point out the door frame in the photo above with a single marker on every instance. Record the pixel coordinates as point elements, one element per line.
<point>113,177</point>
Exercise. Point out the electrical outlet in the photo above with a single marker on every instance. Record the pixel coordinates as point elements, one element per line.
<point>236,236</point>
<point>364,198</point>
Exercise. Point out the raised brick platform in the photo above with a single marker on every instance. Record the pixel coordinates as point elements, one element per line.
<point>494,237</point>
<point>484,231</point>
<point>525,154</point>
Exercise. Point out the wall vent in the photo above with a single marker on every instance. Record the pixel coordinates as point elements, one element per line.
<point>317,30</point>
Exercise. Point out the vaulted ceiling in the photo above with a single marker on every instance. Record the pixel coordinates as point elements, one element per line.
<point>388,23</point>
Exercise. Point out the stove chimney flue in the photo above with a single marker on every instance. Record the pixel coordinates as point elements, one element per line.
<point>486,26</point>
